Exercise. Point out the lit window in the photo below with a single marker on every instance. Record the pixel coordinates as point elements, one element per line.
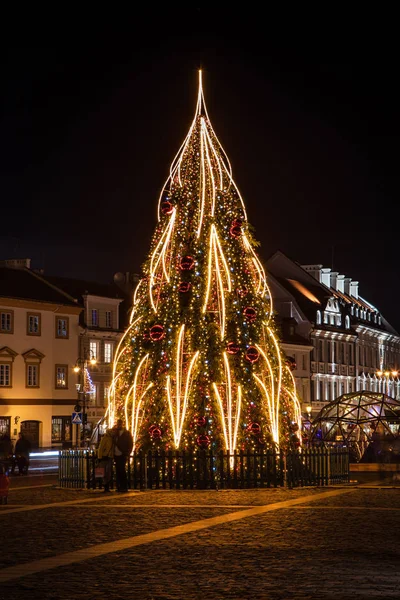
<point>108,348</point>
<point>32,375</point>
<point>6,321</point>
<point>33,324</point>
<point>93,350</point>
<point>5,375</point>
<point>338,320</point>
<point>108,318</point>
<point>318,317</point>
<point>106,390</point>
<point>347,322</point>
<point>61,376</point>
<point>62,325</point>
<point>95,317</point>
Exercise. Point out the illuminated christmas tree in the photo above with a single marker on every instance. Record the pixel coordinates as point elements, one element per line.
<point>200,364</point>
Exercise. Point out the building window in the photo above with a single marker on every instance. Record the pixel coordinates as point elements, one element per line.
<point>5,375</point>
<point>108,352</point>
<point>95,317</point>
<point>321,351</point>
<point>61,377</point>
<point>318,321</point>
<point>304,362</point>
<point>108,318</point>
<point>93,395</point>
<point>32,375</point>
<point>338,320</point>
<point>5,425</point>
<point>62,328</point>
<point>33,324</point>
<point>7,321</point>
<point>347,322</point>
<point>321,391</point>
<point>105,396</point>
<point>61,429</point>
<point>93,347</point>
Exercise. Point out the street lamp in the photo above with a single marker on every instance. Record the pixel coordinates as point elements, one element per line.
<point>386,376</point>
<point>83,388</point>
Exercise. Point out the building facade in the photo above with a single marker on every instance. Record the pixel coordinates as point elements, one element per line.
<point>50,326</point>
<point>352,346</point>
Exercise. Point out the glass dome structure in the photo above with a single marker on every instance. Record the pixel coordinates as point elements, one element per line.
<point>359,420</point>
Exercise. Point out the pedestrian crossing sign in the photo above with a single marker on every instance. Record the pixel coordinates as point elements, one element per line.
<point>77,418</point>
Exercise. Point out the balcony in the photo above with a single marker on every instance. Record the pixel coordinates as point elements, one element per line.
<point>343,369</point>
<point>314,366</point>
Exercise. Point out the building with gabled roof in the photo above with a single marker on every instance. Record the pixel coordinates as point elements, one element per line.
<point>48,325</point>
<point>353,345</point>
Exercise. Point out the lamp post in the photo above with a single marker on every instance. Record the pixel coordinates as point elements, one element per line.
<point>385,375</point>
<point>81,368</point>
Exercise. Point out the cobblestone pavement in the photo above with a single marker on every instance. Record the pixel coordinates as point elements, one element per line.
<point>336,542</point>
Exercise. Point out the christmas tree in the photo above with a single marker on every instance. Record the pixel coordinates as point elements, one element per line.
<point>200,364</point>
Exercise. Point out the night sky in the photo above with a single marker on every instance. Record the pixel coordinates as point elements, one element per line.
<point>90,125</point>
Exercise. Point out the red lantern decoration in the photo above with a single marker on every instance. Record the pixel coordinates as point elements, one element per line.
<point>167,208</point>
<point>232,348</point>
<point>203,441</point>
<point>252,354</point>
<point>242,292</point>
<point>184,286</point>
<point>235,231</point>
<point>254,428</point>
<point>201,421</point>
<point>157,333</point>
<point>250,313</point>
<point>187,263</point>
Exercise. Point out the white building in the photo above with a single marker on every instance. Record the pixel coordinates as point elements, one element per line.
<point>352,346</point>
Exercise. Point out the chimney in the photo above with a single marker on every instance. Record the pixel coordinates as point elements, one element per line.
<point>354,289</point>
<point>16,263</point>
<point>346,285</point>
<point>326,277</point>
<point>340,283</point>
<point>333,280</point>
<point>314,270</point>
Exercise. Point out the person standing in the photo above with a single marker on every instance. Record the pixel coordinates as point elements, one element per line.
<point>105,454</point>
<point>122,449</point>
<point>22,452</point>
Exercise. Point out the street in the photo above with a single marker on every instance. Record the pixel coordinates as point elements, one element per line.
<point>336,542</point>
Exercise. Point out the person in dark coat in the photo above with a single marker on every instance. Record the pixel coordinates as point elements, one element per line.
<point>122,450</point>
<point>22,452</point>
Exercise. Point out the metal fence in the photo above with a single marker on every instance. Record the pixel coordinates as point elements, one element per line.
<point>206,470</point>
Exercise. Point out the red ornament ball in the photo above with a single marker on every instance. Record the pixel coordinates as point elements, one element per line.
<point>252,354</point>
<point>291,363</point>
<point>250,313</point>
<point>294,427</point>
<point>203,441</point>
<point>235,231</point>
<point>187,263</point>
<point>146,335</point>
<point>157,333</point>
<point>232,348</point>
<point>242,292</point>
<point>201,421</point>
<point>184,286</point>
<point>155,432</point>
<point>237,222</point>
<point>254,428</point>
<point>167,208</point>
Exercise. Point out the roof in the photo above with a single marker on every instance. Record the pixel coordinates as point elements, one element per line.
<point>25,284</point>
<point>77,288</point>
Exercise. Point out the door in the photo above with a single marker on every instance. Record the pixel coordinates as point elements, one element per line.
<point>30,429</point>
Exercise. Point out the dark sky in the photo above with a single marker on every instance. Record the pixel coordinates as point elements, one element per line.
<point>90,124</point>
